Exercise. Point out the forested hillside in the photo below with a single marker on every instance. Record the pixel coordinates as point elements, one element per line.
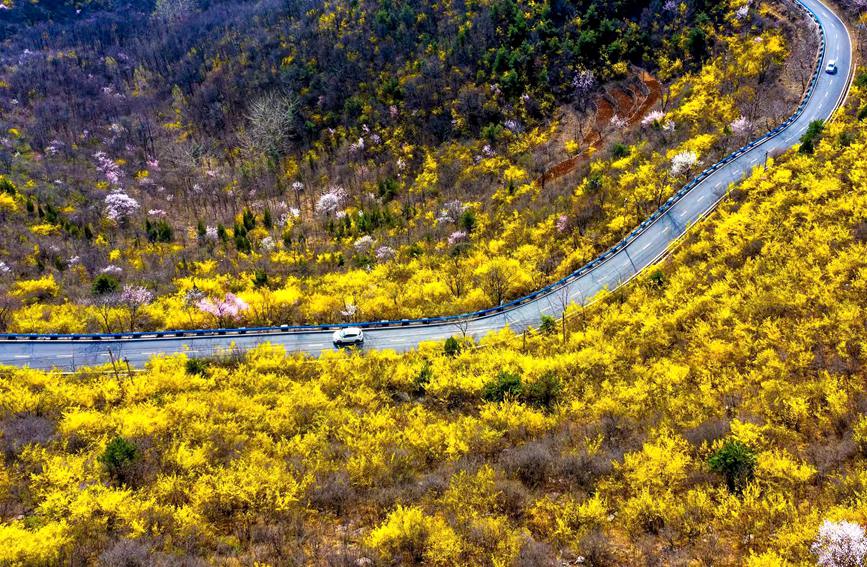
<point>186,164</point>
<point>377,159</point>
<point>710,413</point>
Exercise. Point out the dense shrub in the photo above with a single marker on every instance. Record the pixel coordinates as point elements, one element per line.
<point>544,392</point>
<point>597,550</point>
<point>736,462</point>
<point>332,493</point>
<point>811,137</point>
<point>536,554</point>
<point>127,553</point>
<point>506,384</point>
<point>530,463</point>
<point>859,433</point>
<point>104,284</point>
<point>547,324</point>
<point>452,347</point>
<point>118,458</point>
<point>707,432</point>
<point>17,432</point>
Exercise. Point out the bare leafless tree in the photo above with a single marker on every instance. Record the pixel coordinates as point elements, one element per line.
<point>463,325</point>
<point>8,304</point>
<point>173,11</point>
<point>456,279</point>
<point>271,125</point>
<point>496,283</point>
<point>559,301</point>
<point>106,307</point>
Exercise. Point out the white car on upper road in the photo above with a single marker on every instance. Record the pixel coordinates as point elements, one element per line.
<point>348,336</point>
<point>831,67</point>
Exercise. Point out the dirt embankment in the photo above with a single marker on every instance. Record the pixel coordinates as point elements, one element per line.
<point>630,101</point>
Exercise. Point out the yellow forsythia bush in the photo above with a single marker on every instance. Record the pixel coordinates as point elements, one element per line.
<point>713,409</point>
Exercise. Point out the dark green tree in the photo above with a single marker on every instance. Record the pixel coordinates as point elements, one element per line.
<point>811,137</point>
<point>388,189</point>
<point>697,44</point>
<point>506,384</point>
<point>452,347</point>
<point>118,457</point>
<point>419,384</point>
<point>544,392</point>
<point>547,324</point>
<point>619,150</point>
<point>248,219</point>
<point>468,220</point>
<point>104,284</point>
<point>260,279</point>
<point>656,279</point>
<point>736,462</point>
<point>7,186</point>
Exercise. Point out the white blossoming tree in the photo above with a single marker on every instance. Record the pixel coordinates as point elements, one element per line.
<point>363,244</point>
<point>119,206</point>
<point>133,298</point>
<point>385,253</point>
<point>349,311</point>
<point>840,544</point>
<point>450,212</point>
<point>653,118</point>
<point>171,12</point>
<point>618,122</point>
<point>683,162</point>
<point>330,202</point>
<point>267,244</point>
<point>457,237</point>
<point>583,85</point>
<point>740,125</point>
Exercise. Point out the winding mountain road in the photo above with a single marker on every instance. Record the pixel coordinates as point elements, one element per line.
<point>643,247</point>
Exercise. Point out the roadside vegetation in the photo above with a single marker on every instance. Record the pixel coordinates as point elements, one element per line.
<point>355,162</point>
<point>713,411</point>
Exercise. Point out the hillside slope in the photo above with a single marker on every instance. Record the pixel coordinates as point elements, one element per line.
<point>377,160</point>
<point>710,413</point>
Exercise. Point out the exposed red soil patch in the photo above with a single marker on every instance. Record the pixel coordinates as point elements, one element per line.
<point>630,101</point>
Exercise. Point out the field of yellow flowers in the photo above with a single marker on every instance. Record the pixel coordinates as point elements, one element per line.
<point>712,412</point>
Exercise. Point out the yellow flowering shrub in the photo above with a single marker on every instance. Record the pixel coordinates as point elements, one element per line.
<point>751,335</point>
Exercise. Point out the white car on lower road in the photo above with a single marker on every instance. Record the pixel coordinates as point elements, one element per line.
<point>831,67</point>
<point>348,336</point>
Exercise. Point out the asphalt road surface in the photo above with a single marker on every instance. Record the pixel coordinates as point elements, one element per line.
<point>644,247</point>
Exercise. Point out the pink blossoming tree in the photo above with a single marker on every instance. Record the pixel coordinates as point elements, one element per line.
<point>229,309</point>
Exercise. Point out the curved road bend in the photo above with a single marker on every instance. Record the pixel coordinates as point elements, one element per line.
<point>641,251</point>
